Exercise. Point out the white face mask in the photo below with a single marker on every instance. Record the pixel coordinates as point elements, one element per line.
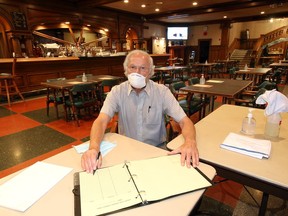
<point>137,80</point>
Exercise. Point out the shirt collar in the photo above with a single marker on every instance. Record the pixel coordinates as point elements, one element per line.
<point>147,89</point>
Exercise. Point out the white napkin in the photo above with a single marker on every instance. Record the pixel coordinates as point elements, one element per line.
<point>276,102</point>
<point>257,148</point>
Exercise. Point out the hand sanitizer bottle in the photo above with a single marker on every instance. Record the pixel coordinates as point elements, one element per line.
<point>202,79</point>
<point>84,78</point>
<point>249,124</point>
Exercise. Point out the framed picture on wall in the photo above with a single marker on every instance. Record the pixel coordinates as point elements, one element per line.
<point>19,21</point>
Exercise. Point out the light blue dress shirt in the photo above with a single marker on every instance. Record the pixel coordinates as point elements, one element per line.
<point>141,116</point>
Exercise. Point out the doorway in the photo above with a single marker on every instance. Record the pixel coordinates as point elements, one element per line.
<point>204,46</point>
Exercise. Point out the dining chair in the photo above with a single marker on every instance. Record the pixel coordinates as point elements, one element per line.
<point>187,101</point>
<point>82,97</point>
<point>276,76</point>
<point>193,80</point>
<point>265,84</point>
<point>8,86</point>
<point>174,77</point>
<point>209,100</point>
<point>156,77</point>
<point>106,87</point>
<point>248,98</point>
<point>55,96</point>
<point>215,71</point>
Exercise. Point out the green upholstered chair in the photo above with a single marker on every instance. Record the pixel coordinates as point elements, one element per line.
<point>82,97</point>
<point>55,96</point>
<point>187,101</point>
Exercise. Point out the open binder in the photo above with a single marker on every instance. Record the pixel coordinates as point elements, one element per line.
<point>133,184</point>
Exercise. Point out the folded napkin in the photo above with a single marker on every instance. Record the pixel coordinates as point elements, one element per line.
<point>257,148</point>
<point>276,102</point>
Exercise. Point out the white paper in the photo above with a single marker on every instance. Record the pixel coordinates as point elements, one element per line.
<point>203,85</point>
<point>23,190</point>
<point>215,81</point>
<point>105,147</point>
<point>258,148</point>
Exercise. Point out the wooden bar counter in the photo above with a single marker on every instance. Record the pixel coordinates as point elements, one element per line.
<point>30,72</point>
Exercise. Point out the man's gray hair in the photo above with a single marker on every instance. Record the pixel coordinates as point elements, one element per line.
<point>135,52</point>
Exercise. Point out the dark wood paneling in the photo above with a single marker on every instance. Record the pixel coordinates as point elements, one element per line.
<point>31,72</point>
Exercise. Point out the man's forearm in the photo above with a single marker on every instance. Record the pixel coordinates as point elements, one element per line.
<point>96,136</point>
<point>188,131</point>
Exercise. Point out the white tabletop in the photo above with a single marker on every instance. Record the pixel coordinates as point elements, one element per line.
<point>60,199</point>
<point>212,130</point>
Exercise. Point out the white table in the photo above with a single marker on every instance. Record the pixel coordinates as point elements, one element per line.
<point>60,199</point>
<point>268,175</point>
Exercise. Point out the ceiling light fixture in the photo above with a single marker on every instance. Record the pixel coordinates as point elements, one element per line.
<point>126,1</point>
<point>262,12</point>
<point>194,3</point>
<point>225,17</point>
<point>157,9</point>
<point>143,5</point>
<point>159,3</point>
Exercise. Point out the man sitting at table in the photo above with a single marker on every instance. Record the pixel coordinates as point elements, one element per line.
<point>141,105</point>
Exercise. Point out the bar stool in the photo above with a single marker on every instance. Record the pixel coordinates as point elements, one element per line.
<point>8,86</point>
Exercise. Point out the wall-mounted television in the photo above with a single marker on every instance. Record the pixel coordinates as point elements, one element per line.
<point>177,33</point>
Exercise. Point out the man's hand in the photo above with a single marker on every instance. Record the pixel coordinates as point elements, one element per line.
<point>189,154</point>
<point>89,160</point>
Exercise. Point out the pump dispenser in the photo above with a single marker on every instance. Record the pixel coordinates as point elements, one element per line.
<point>84,78</point>
<point>202,79</point>
<point>249,124</point>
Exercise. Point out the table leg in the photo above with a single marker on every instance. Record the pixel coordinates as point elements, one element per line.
<point>263,205</point>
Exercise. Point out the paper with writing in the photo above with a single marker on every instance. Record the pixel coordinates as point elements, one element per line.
<point>112,188</point>
<point>107,191</point>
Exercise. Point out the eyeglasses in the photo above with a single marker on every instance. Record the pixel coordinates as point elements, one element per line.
<point>134,68</point>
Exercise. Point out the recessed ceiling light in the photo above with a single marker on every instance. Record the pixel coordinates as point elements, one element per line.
<point>159,3</point>
<point>143,5</point>
<point>126,1</point>
<point>194,3</point>
<point>88,25</point>
<point>67,23</point>
<point>157,9</point>
<point>262,12</point>
<point>225,17</point>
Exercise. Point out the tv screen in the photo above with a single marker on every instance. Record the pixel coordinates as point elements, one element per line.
<point>177,33</point>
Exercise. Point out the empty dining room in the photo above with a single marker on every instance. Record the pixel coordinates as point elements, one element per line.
<point>60,60</point>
